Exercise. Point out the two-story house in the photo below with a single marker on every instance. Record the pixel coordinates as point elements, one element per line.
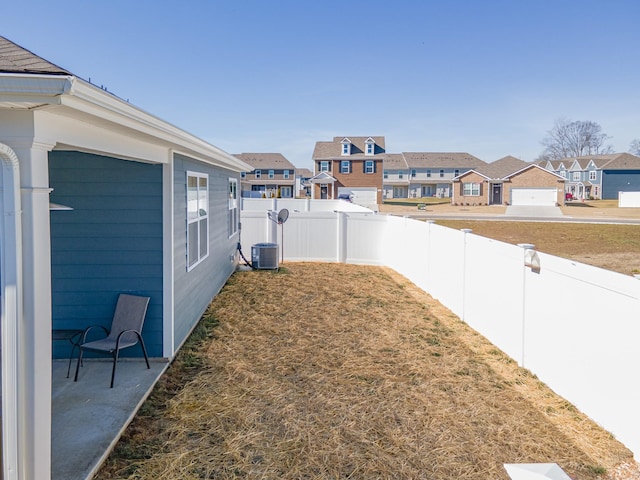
<point>273,176</point>
<point>425,174</point>
<point>598,176</point>
<point>349,166</point>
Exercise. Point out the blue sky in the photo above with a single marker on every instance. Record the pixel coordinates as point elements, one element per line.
<point>488,77</point>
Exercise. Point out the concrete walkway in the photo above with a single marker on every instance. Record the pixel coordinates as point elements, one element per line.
<point>88,417</point>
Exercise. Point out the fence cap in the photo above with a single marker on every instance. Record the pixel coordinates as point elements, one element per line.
<point>535,471</point>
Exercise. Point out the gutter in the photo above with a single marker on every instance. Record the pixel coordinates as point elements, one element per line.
<point>11,294</point>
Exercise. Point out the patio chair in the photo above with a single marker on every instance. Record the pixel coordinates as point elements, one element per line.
<point>125,331</point>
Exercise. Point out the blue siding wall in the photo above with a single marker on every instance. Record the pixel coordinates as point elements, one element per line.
<point>614,181</point>
<point>195,289</point>
<point>110,243</point>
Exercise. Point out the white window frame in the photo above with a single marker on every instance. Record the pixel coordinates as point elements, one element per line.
<point>324,165</point>
<point>470,189</point>
<point>441,173</point>
<point>593,175</point>
<point>370,148</point>
<point>575,176</point>
<point>346,148</point>
<point>345,166</point>
<point>369,167</point>
<point>197,218</point>
<point>286,191</point>
<point>285,174</point>
<point>428,173</point>
<point>563,173</point>
<point>233,217</point>
<point>414,172</point>
<point>385,174</point>
<point>272,174</point>
<point>258,173</point>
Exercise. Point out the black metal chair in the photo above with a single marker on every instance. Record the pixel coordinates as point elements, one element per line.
<point>125,331</point>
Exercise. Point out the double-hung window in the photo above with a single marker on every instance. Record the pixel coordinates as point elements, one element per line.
<point>592,175</point>
<point>285,174</point>
<point>575,176</point>
<point>345,166</point>
<point>271,174</point>
<point>197,218</point>
<point>471,189</point>
<point>441,173</point>
<point>428,173</point>
<point>324,166</point>
<point>233,207</point>
<point>258,173</point>
<point>413,173</point>
<point>369,167</point>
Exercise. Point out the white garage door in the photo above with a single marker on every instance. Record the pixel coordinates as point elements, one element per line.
<point>534,196</point>
<point>361,195</point>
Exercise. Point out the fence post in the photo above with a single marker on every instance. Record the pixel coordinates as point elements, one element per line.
<point>464,270</point>
<point>341,249</point>
<point>527,249</point>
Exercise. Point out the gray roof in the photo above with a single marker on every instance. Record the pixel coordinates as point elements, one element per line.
<point>333,149</point>
<point>612,161</point>
<point>442,160</point>
<point>266,161</point>
<point>304,172</point>
<point>394,161</point>
<point>15,59</point>
<point>502,167</point>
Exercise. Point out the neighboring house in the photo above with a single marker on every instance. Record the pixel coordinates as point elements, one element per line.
<point>395,176</point>
<point>508,181</point>
<point>154,212</point>
<point>425,174</point>
<point>349,166</point>
<point>273,176</point>
<point>303,186</point>
<point>598,176</point>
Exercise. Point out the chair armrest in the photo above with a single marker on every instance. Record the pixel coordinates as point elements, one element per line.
<point>89,328</point>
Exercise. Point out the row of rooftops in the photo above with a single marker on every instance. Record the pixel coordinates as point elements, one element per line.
<point>17,59</point>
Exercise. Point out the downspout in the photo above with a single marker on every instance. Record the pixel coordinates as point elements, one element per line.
<point>11,295</point>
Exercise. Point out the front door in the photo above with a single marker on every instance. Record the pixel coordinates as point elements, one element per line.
<point>324,190</point>
<point>496,194</point>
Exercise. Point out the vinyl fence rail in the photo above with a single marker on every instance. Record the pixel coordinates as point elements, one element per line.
<point>575,326</point>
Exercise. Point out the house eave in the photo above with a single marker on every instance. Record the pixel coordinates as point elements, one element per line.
<point>75,98</point>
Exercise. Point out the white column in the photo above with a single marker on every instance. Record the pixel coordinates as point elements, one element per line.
<point>35,349</point>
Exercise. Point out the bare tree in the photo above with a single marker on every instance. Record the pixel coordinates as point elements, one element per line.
<point>635,147</point>
<point>574,139</point>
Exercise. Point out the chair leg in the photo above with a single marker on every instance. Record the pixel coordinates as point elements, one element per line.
<point>115,361</point>
<point>81,351</point>
<point>144,351</point>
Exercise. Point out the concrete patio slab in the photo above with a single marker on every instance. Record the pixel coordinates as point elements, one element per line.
<point>88,417</point>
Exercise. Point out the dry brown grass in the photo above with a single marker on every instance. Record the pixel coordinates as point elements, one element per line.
<point>327,371</point>
<point>614,247</point>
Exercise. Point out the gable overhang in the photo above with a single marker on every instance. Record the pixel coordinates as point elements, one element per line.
<point>529,167</point>
<point>322,177</point>
<point>468,172</point>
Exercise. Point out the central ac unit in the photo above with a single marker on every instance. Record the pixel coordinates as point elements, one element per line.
<point>264,256</point>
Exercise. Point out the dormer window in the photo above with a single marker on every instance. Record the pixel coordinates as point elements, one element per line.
<point>346,146</point>
<point>369,146</point>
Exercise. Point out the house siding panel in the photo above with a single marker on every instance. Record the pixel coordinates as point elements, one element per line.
<point>195,289</point>
<point>614,181</point>
<point>110,243</point>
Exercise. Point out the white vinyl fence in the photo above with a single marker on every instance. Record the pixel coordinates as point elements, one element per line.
<point>575,326</point>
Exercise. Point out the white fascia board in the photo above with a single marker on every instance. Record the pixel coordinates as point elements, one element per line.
<point>92,100</point>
